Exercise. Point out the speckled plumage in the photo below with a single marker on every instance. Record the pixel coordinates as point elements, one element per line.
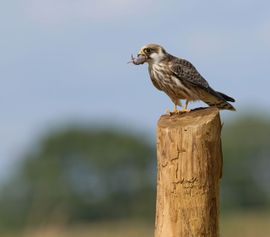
<point>179,79</point>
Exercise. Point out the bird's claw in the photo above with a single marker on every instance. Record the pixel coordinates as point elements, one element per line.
<point>185,110</point>
<point>176,111</point>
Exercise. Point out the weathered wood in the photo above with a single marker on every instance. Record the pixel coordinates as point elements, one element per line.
<point>189,170</point>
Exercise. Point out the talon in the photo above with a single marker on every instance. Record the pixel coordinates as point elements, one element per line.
<point>175,111</point>
<point>185,110</point>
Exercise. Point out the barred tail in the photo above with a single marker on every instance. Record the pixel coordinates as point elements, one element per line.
<point>219,100</point>
<point>221,105</point>
<point>225,105</point>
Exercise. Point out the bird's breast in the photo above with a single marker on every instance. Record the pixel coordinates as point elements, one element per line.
<point>160,73</point>
<point>165,80</point>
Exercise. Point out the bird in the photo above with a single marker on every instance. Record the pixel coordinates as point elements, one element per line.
<point>179,79</point>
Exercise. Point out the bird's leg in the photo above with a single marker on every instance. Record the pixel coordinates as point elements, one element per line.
<point>175,110</point>
<point>185,109</point>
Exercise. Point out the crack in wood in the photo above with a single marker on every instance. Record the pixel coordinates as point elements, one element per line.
<point>189,168</point>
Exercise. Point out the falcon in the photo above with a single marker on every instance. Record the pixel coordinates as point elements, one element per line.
<point>179,79</point>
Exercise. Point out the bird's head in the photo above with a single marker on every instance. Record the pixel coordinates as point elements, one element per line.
<point>152,53</point>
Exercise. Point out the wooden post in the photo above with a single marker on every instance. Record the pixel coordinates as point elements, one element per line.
<point>189,170</point>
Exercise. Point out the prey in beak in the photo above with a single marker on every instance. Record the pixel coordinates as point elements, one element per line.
<point>140,59</point>
<point>151,53</point>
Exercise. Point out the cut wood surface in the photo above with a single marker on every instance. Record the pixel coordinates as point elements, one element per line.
<point>189,170</point>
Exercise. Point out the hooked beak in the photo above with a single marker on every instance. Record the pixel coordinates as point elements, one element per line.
<point>141,53</point>
<point>141,58</point>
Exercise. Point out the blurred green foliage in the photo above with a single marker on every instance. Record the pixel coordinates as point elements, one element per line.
<point>83,174</point>
<point>246,151</point>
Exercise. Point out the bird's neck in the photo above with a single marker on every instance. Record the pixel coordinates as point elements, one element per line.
<point>157,62</point>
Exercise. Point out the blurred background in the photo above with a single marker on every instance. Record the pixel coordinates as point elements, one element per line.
<point>77,131</point>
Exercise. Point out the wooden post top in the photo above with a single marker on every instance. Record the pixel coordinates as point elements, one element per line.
<point>189,159</point>
<point>192,118</point>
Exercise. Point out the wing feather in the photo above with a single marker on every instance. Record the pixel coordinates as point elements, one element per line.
<point>186,72</point>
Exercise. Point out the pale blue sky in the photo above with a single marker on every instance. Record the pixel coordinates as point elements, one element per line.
<point>65,60</point>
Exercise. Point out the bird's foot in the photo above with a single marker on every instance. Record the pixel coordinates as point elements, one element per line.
<point>185,110</point>
<point>175,111</point>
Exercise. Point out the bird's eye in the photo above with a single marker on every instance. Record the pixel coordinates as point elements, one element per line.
<point>147,50</point>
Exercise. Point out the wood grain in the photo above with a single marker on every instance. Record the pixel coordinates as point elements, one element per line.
<point>189,170</point>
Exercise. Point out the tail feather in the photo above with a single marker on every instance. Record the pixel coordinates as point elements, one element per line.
<point>219,100</point>
<point>226,105</point>
<point>221,104</point>
<point>226,97</point>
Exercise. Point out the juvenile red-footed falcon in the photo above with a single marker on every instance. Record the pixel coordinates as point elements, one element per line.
<point>179,79</point>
